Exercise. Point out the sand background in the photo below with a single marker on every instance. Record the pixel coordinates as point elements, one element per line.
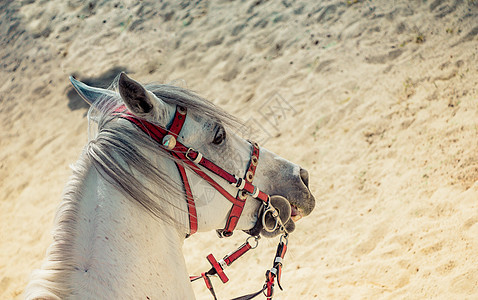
<point>381,107</point>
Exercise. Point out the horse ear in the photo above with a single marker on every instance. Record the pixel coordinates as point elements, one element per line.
<point>138,100</point>
<point>88,93</point>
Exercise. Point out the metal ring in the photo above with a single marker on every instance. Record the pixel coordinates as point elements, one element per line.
<point>256,239</point>
<point>284,236</point>
<point>271,210</point>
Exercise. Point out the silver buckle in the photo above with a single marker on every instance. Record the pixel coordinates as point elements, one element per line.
<point>198,157</point>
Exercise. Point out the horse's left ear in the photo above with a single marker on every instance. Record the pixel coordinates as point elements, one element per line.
<point>138,100</point>
<point>88,93</point>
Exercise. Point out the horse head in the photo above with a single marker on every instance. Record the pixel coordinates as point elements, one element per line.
<point>212,134</point>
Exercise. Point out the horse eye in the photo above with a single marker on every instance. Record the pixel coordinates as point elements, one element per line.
<point>220,136</point>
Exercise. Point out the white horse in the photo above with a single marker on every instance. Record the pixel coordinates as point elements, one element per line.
<point>120,227</point>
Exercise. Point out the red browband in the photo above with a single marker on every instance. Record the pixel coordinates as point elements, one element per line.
<point>167,138</point>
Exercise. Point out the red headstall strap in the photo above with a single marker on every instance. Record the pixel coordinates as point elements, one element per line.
<point>168,139</point>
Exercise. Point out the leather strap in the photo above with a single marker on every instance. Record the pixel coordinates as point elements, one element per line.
<point>174,130</point>
<point>236,210</point>
<point>193,219</point>
<point>157,133</point>
<point>167,138</point>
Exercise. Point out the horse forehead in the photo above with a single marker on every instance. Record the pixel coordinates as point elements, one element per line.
<point>196,117</point>
<point>200,125</point>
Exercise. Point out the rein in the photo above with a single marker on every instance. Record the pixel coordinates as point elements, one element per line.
<point>168,139</point>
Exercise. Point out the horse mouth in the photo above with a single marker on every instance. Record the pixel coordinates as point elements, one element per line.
<point>288,213</point>
<point>295,213</point>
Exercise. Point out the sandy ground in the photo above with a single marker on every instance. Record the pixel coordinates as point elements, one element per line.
<point>377,99</point>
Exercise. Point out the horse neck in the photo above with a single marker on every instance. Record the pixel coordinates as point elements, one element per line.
<point>115,249</point>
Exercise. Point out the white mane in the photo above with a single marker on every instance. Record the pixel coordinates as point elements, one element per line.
<point>116,152</point>
<point>51,282</point>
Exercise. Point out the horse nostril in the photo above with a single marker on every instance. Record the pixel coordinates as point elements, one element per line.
<point>304,175</point>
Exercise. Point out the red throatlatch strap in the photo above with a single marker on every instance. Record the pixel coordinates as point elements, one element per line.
<point>236,210</point>
<point>175,129</point>
<point>157,133</point>
<point>193,219</point>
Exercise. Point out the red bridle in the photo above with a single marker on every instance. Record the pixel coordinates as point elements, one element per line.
<point>168,139</point>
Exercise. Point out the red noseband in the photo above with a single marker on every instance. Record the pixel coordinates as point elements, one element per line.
<point>168,139</point>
